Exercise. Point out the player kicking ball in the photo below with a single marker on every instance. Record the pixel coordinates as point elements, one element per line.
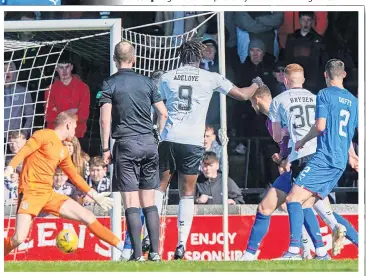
<point>41,155</point>
<point>188,91</point>
<point>336,120</point>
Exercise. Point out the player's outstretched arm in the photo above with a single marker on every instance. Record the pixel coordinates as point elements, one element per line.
<point>315,130</point>
<point>102,199</point>
<point>245,93</point>
<point>68,167</point>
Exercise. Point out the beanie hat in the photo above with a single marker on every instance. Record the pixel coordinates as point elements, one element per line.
<point>257,43</point>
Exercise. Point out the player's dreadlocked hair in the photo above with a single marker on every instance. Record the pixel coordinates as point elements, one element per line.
<point>191,52</point>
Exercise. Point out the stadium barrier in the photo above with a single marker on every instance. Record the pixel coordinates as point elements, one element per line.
<point>205,241</point>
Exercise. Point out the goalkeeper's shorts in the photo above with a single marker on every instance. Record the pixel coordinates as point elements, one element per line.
<point>35,202</point>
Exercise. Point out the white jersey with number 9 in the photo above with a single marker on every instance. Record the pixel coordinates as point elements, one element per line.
<point>188,91</point>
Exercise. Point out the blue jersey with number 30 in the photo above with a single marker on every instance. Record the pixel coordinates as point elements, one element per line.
<point>340,108</point>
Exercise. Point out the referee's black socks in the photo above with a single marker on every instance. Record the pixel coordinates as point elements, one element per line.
<point>134,226</point>
<point>153,226</point>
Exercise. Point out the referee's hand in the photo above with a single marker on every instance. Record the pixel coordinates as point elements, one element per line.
<point>156,134</point>
<point>107,157</point>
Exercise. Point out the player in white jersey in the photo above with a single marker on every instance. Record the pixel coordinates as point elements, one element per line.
<point>188,91</point>
<point>296,109</point>
<point>276,195</point>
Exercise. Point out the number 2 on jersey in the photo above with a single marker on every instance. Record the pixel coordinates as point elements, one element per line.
<point>185,98</point>
<point>343,123</point>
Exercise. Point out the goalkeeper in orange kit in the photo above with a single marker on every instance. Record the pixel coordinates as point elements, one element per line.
<point>41,155</point>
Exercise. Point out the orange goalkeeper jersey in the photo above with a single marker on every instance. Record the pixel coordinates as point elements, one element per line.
<point>42,154</point>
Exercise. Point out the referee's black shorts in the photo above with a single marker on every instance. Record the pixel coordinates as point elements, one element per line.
<point>135,164</point>
<point>184,158</point>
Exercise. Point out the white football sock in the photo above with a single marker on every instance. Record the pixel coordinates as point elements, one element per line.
<point>247,256</point>
<point>320,251</point>
<point>126,253</point>
<point>294,250</point>
<point>185,217</point>
<point>325,212</point>
<point>120,246</point>
<point>306,241</point>
<point>159,196</point>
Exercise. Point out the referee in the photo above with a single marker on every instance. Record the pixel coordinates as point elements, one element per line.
<point>127,99</point>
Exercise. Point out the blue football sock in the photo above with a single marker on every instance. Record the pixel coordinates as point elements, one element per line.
<point>312,227</point>
<point>352,234</point>
<point>127,243</point>
<point>296,217</point>
<point>142,217</point>
<point>259,230</point>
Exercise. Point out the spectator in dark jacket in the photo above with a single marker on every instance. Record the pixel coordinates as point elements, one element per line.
<point>209,186</point>
<point>305,47</point>
<point>279,74</point>
<point>18,104</point>
<point>210,62</point>
<point>258,63</point>
<point>258,25</point>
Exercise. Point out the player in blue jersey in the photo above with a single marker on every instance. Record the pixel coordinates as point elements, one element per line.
<point>276,195</point>
<point>188,91</point>
<point>336,121</point>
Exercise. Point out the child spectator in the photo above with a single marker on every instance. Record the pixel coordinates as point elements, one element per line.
<point>210,143</point>
<point>79,158</point>
<point>16,140</point>
<point>97,179</point>
<point>61,185</point>
<point>209,185</point>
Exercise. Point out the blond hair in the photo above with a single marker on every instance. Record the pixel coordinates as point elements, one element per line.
<point>64,116</point>
<point>79,158</point>
<point>295,73</point>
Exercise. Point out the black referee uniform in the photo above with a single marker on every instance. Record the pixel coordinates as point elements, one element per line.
<point>135,154</point>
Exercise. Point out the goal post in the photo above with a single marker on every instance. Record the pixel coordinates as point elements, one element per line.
<point>223,134</point>
<point>114,27</point>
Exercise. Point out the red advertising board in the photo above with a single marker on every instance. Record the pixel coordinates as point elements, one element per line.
<point>205,241</point>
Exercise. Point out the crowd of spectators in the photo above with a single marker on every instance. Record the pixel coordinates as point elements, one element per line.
<point>257,44</point>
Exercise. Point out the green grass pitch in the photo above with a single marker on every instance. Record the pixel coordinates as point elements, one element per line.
<point>180,266</point>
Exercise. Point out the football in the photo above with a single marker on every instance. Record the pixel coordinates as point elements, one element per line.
<point>67,241</point>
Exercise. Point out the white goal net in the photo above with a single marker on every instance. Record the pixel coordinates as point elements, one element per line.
<point>30,62</point>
